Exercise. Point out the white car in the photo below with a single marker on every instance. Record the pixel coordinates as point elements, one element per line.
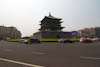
<point>83,38</point>
<point>61,40</point>
<point>95,39</point>
<point>23,41</point>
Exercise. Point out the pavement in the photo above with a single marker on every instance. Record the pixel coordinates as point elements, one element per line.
<point>14,54</point>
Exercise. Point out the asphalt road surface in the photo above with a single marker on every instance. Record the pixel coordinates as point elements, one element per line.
<point>13,54</point>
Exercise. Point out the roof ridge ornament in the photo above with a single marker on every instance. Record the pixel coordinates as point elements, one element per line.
<point>50,14</point>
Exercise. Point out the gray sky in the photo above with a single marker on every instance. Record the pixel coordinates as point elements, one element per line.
<point>27,14</point>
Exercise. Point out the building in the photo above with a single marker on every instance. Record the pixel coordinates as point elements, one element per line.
<point>84,33</point>
<point>89,32</point>
<point>92,32</point>
<point>9,32</point>
<point>97,31</point>
<point>51,28</point>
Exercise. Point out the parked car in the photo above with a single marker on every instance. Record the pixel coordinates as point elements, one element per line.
<point>30,41</point>
<point>34,41</point>
<point>98,39</point>
<point>82,38</point>
<point>24,41</point>
<point>65,41</point>
<point>68,41</point>
<point>95,39</point>
<point>85,40</point>
<point>61,40</point>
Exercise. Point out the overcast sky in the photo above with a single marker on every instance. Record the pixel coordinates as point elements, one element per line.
<point>27,14</point>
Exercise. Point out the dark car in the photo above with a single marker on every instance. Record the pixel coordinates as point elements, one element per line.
<point>34,41</point>
<point>68,41</point>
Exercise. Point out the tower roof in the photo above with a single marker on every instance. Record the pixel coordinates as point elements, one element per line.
<point>51,23</point>
<point>52,17</point>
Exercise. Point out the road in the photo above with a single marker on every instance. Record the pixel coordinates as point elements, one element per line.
<point>13,54</point>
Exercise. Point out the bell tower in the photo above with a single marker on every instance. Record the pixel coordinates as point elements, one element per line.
<point>51,23</point>
<point>50,27</point>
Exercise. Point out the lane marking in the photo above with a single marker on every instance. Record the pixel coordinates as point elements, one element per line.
<point>8,50</point>
<point>22,63</point>
<point>38,53</point>
<point>92,58</point>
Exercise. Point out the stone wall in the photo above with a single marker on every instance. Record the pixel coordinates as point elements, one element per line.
<point>52,35</point>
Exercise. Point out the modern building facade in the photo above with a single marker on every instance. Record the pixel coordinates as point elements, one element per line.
<point>97,31</point>
<point>51,28</point>
<point>84,33</point>
<point>9,32</point>
<point>89,32</point>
